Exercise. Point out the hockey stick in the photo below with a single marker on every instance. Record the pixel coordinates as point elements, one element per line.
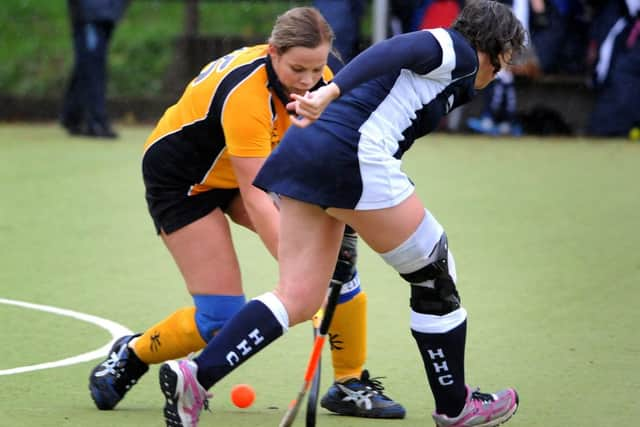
<point>330,308</point>
<point>312,401</point>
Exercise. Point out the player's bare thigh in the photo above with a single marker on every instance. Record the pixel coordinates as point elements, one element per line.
<point>204,253</point>
<point>384,229</point>
<point>238,214</point>
<point>307,253</point>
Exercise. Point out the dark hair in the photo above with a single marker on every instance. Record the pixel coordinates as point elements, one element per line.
<point>300,27</point>
<point>492,28</point>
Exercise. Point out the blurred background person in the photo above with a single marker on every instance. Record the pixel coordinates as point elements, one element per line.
<point>559,34</point>
<point>432,13</point>
<point>403,15</point>
<point>344,17</point>
<point>615,54</point>
<point>500,105</point>
<point>413,15</point>
<point>84,109</point>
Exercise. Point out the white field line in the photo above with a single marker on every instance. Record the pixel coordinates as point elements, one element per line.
<point>116,330</point>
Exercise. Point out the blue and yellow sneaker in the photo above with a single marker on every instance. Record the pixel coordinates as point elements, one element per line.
<point>113,377</point>
<point>361,397</point>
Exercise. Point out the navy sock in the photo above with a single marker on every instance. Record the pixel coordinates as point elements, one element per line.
<point>246,333</point>
<point>443,357</point>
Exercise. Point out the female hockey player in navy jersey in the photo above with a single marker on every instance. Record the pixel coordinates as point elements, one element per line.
<point>343,166</point>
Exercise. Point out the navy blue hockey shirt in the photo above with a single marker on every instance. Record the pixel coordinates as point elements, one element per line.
<point>399,89</point>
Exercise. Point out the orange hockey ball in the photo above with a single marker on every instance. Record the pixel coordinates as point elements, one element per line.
<point>242,395</point>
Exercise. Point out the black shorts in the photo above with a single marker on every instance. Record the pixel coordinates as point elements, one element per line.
<point>167,181</point>
<point>172,213</point>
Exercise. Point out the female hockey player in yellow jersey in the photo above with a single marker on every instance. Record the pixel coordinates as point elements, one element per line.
<point>198,166</point>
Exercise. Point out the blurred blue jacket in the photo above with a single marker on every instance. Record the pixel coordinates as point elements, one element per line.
<point>83,11</point>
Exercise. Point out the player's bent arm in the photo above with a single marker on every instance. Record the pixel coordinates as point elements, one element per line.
<point>258,204</point>
<point>418,51</point>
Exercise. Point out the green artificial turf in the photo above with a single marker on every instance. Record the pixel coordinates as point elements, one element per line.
<point>544,233</point>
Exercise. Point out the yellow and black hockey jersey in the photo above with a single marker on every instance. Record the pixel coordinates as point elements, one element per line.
<point>233,107</point>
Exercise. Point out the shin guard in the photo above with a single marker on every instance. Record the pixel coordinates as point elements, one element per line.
<point>175,337</point>
<point>348,337</point>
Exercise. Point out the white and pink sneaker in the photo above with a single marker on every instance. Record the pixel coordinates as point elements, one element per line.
<point>184,396</point>
<point>482,410</point>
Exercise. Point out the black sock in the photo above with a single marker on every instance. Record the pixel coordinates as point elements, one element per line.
<point>137,366</point>
<point>249,331</point>
<point>443,357</point>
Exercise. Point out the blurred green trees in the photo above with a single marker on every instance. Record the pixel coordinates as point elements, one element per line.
<point>36,52</point>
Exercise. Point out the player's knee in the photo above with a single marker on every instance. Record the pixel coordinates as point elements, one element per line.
<point>425,262</point>
<point>213,311</point>
<point>440,300</point>
<point>433,287</point>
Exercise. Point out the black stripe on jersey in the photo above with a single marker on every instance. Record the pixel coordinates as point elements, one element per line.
<point>276,85</point>
<point>207,135</point>
<point>228,83</point>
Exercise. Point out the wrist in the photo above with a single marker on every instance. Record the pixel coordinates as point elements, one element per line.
<point>334,90</point>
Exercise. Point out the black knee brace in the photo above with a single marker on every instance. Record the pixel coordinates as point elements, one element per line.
<point>441,297</point>
<point>347,257</point>
<point>440,300</point>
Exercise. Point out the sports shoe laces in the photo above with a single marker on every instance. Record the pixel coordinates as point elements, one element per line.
<point>482,398</point>
<point>115,365</point>
<point>200,395</point>
<point>109,365</point>
<point>201,402</point>
<point>373,383</point>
